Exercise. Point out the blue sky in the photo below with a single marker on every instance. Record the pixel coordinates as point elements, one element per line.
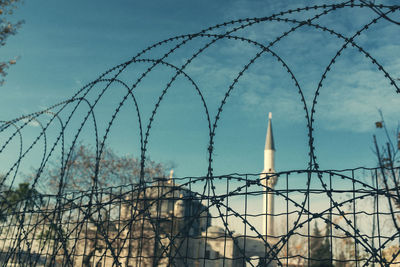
<point>64,45</point>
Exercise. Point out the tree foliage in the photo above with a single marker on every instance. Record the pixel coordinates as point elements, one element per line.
<point>320,248</point>
<point>113,170</point>
<point>7,28</point>
<point>11,200</point>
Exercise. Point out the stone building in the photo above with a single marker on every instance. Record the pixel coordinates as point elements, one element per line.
<point>165,224</point>
<point>157,224</point>
<point>169,227</point>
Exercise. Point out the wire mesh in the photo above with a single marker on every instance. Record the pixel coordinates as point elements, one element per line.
<point>164,223</point>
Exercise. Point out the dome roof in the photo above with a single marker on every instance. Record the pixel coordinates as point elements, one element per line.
<point>215,229</point>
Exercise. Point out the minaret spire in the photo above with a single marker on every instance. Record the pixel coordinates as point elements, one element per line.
<point>269,180</point>
<point>171,177</point>
<point>269,150</point>
<point>269,141</point>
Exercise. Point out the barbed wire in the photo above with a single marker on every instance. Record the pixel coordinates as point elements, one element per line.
<point>159,221</point>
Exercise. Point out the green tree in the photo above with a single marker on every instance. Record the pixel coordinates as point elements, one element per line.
<point>320,248</point>
<point>11,200</point>
<point>7,28</point>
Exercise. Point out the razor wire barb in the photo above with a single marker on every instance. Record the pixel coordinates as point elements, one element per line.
<point>167,222</point>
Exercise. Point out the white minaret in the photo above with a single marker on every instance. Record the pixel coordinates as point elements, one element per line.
<point>269,168</point>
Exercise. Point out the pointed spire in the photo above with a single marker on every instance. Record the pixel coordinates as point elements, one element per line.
<point>171,176</point>
<point>269,141</point>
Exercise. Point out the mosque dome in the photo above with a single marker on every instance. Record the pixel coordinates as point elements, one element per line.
<point>213,229</point>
